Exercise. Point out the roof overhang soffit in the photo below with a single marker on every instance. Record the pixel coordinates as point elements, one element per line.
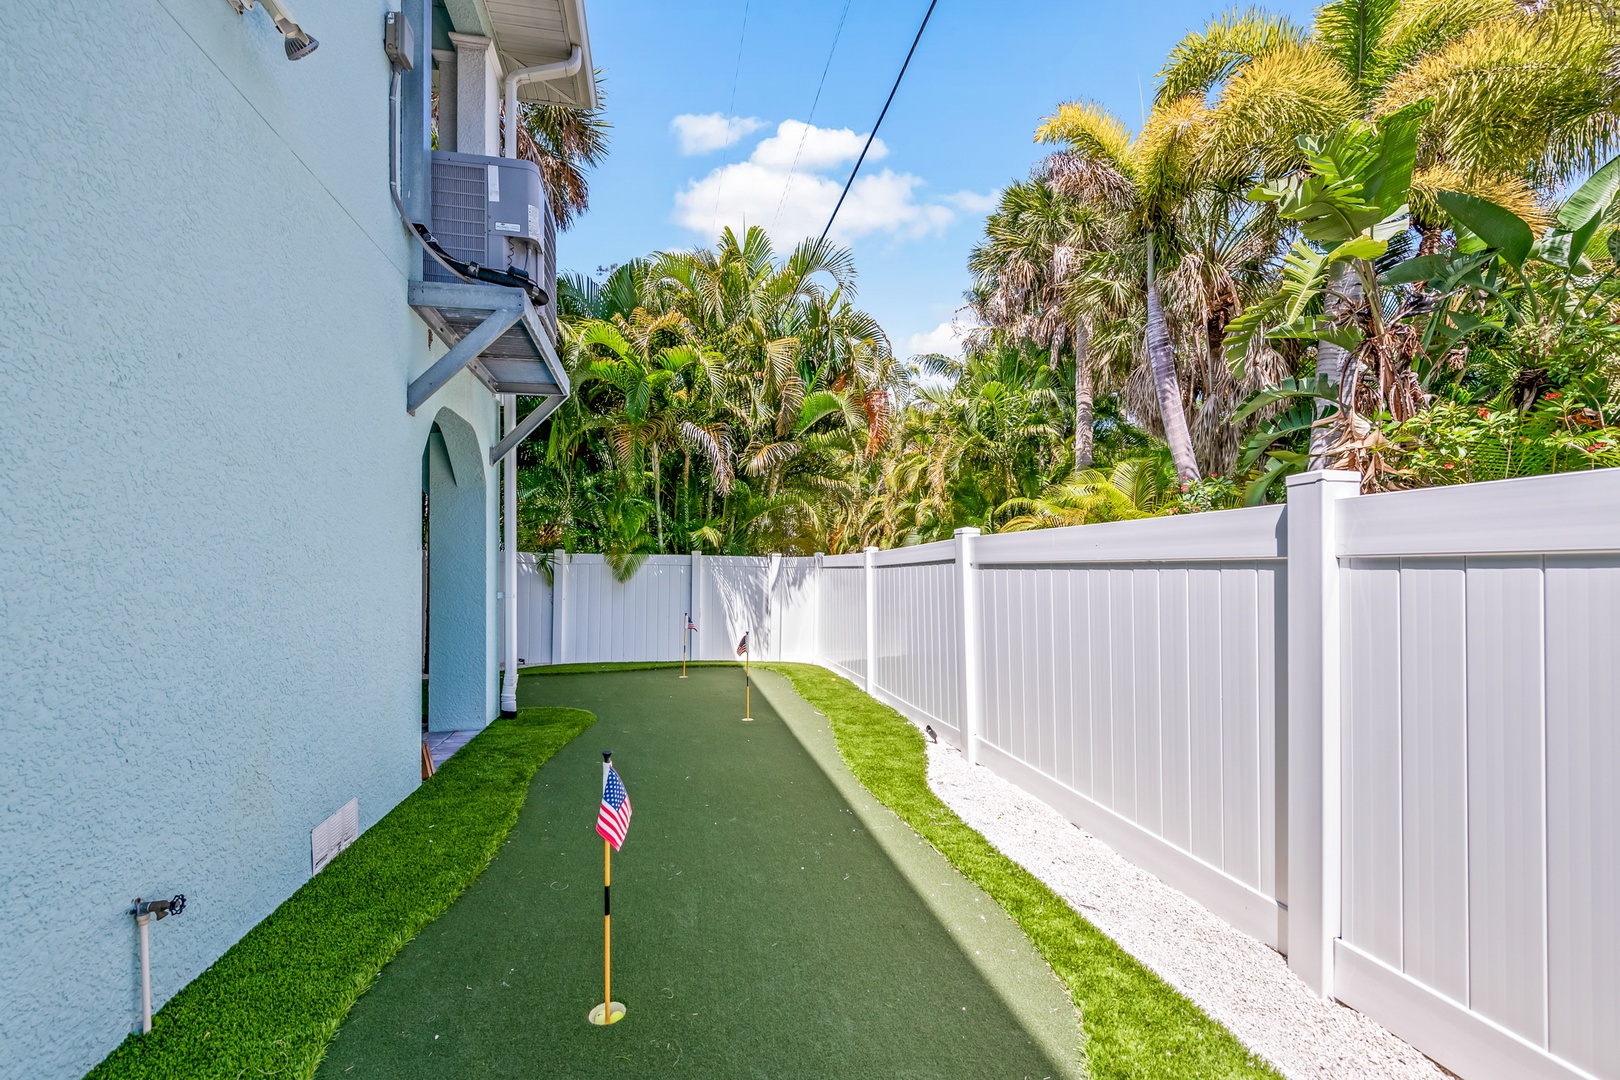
<point>528,33</point>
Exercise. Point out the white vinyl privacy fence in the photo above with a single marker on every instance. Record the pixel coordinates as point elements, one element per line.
<point>1380,733</point>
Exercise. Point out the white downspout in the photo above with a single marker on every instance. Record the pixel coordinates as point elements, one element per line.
<point>542,73</point>
<point>561,69</point>
<point>509,565</point>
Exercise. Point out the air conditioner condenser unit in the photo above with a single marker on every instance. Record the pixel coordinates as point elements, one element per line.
<point>487,211</point>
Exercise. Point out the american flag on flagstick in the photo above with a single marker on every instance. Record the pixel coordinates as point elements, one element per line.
<point>742,646</point>
<point>690,625</point>
<point>613,819</point>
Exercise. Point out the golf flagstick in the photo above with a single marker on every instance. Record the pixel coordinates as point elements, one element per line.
<point>612,820</point>
<point>686,637</point>
<point>748,686</point>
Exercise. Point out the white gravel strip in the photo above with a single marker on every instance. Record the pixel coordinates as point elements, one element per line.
<point>1231,976</point>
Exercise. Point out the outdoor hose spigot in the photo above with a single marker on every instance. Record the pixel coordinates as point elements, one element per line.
<point>145,911</point>
<point>160,908</point>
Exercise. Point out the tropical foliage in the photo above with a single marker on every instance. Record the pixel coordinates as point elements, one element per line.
<point>724,399</point>
<point>565,142</point>
<point>1382,241</point>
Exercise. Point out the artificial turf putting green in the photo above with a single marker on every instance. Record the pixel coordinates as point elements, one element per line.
<point>770,920</point>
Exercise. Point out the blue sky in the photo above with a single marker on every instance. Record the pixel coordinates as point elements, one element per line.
<point>701,140</point>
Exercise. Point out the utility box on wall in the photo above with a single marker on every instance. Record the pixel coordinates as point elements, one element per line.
<point>488,211</point>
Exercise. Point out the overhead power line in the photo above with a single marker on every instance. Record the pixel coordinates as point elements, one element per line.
<point>850,182</point>
<point>731,109</point>
<point>811,119</point>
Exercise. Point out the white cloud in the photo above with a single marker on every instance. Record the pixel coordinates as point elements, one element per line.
<point>752,192</point>
<point>971,202</point>
<point>813,147</point>
<point>706,132</point>
<point>948,338</point>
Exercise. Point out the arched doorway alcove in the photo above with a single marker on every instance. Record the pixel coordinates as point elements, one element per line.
<point>457,614</point>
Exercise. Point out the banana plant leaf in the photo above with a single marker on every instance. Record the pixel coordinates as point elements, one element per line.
<point>1301,417</point>
<point>1319,387</point>
<point>1497,226</point>
<point>1281,462</point>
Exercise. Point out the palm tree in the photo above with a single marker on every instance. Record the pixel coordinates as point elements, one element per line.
<point>580,297</point>
<point>749,386</point>
<point>657,385</point>
<point>564,141</point>
<point>1189,252</point>
<point>1143,179</point>
<point>1036,241</point>
<point>1136,487</point>
<point>803,370</point>
<point>967,450</point>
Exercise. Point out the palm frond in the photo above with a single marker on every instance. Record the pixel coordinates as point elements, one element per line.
<point>1264,109</point>
<point>1088,130</point>
<point>1203,60</point>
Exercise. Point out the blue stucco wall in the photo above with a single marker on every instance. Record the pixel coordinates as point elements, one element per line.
<point>210,575</point>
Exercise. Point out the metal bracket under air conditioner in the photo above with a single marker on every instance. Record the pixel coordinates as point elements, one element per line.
<point>524,426</point>
<point>495,333</point>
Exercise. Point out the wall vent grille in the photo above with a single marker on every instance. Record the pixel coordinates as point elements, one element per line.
<point>334,834</point>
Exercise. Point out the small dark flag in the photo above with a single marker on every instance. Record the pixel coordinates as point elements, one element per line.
<point>742,646</point>
<point>690,625</point>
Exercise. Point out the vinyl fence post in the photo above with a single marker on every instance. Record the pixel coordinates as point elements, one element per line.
<point>773,610</point>
<point>815,609</point>
<point>971,663</point>
<point>697,604</point>
<point>1314,796</point>
<point>559,601</point>
<point>870,579</point>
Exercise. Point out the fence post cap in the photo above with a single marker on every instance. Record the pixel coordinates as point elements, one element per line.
<point>967,530</point>
<point>1325,476</point>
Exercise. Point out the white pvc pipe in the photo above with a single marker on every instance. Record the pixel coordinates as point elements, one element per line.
<point>509,563</point>
<point>561,69</point>
<point>146,974</point>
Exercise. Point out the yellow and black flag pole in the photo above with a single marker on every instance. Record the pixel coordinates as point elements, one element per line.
<point>748,686</point>
<point>612,823</point>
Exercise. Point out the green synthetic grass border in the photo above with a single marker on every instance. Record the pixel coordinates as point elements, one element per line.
<point>1136,1025</point>
<point>270,1005</point>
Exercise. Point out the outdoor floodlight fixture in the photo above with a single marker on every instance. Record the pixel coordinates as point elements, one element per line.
<point>299,44</point>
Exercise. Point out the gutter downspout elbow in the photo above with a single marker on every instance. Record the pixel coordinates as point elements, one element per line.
<point>561,69</point>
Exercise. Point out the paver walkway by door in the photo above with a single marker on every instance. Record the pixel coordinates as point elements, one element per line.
<point>770,919</point>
